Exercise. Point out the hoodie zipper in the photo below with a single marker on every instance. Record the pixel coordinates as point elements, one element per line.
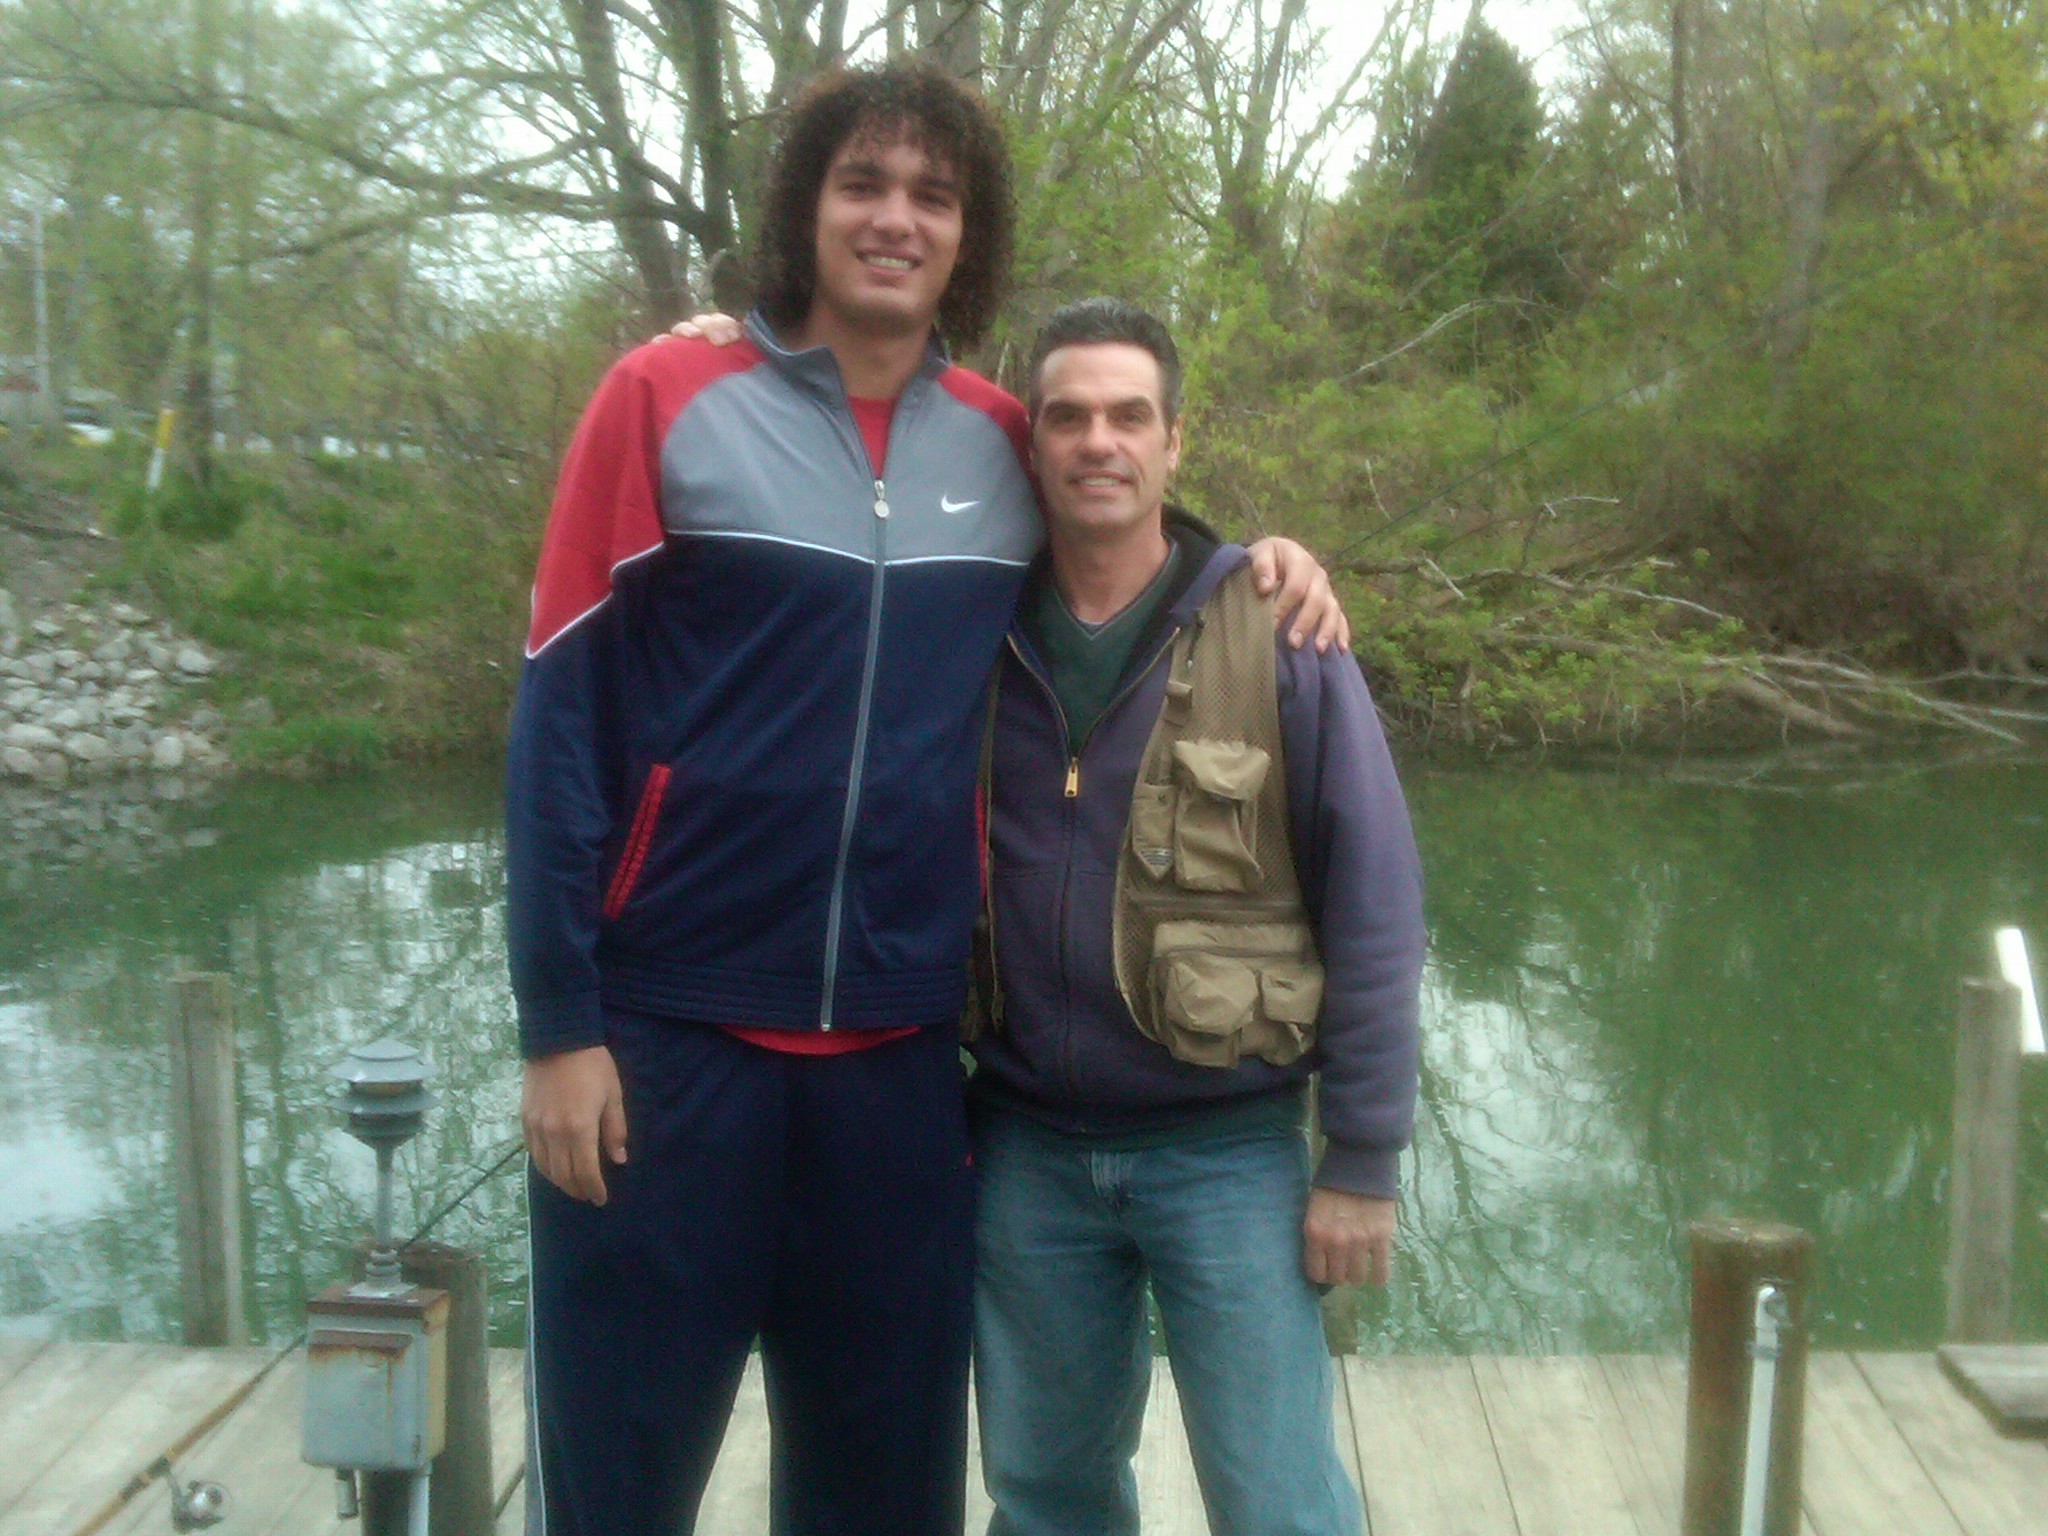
<point>1073,793</point>
<point>1073,784</point>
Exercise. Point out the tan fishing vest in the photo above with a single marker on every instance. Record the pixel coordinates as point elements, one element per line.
<point>1215,955</point>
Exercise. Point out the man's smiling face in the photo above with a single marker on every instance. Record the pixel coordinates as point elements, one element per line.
<point>1100,440</point>
<point>888,234</point>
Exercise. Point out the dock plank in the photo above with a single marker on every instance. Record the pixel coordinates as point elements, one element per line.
<point>737,1497</point>
<point>1444,1447</point>
<point>1546,1428</point>
<point>2008,1381</point>
<point>62,1392</point>
<point>979,1505</point>
<point>150,1402</point>
<point>1347,1437</point>
<point>240,1454</point>
<point>1640,1402</point>
<point>16,1353</point>
<point>1169,1498</point>
<point>1425,1454</point>
<point>508,1426</point>
<point>1992,1485</point>
<point>1861,1475</point>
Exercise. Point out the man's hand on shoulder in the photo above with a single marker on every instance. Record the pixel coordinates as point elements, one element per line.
<point>718,328</point>
<point>573,1112</point>
<point>1305,603</point>
<point>1347,1239</point>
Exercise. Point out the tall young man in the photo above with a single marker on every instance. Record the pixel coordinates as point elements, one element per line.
<point>1203,888</point>
<point>741,853</point>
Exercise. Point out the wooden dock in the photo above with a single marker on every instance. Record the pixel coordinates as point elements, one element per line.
<point>1444,1446</point>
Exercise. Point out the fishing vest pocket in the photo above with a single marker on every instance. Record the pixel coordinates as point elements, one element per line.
<point>1216,814</point>
<point>1222,991</point>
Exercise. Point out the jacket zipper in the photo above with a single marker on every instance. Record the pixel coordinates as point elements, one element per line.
<point>1073,792</point>
<point>835,910</point>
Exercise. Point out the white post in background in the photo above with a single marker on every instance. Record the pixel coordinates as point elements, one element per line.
<point>46,399</point>
<point>2012,965</point>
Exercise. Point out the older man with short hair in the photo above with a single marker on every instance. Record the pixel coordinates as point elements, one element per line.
<point>1203,891</point>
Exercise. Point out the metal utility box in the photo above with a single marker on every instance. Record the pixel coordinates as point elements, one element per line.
<point>376,1379</point>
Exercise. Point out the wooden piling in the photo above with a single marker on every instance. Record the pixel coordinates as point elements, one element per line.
<point>462,1502</point>
<point>1983,1163</point>
<point>207,1149</point>
<point>1730,1260</point>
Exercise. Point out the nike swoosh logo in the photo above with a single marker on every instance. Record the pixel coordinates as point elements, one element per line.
<point>948,504</point>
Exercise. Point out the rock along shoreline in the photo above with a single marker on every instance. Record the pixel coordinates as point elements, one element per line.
<point>98,692</point>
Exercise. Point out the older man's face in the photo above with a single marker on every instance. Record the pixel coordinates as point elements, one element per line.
<point>1100,440</point>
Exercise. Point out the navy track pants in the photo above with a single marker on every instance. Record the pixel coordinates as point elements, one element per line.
<point>821,1204</point>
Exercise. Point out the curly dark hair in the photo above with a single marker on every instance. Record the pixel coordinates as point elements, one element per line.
<point>938,114</point>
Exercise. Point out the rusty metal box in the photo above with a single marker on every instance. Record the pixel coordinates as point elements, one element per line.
<point>376,1379</point>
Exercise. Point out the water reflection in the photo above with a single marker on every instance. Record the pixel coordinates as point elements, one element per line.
<point>342,915</point>
<point>1651,1001</point>
<point>1647,1001</point>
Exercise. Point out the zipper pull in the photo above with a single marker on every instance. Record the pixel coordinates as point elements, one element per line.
<point>881,500</point>
<point>1073,778</point>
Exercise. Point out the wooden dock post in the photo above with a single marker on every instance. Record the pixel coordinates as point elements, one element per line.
<point>461,1503</point>
<point>207,1147</point>
<point>1730,1260</point>
<point>1983,1171</point>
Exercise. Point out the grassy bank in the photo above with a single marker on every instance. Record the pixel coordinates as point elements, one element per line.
<point>370,610</point>
<point>371,613</point>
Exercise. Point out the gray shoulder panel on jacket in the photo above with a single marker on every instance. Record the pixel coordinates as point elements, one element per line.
<point>754,457</point>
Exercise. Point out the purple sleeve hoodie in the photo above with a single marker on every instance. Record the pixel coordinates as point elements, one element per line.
<point>1362,881</point>
<point>1069,1054</point>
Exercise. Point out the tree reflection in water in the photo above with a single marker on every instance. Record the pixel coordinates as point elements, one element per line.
<point>343,914</point>
<point>1651,1000</point>
<point>1648,1000</point>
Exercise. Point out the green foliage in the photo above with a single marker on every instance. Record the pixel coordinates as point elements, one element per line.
<point>1768,338</point>
<point>184,509</point>
<point>319,744</point>
<point>372,606</point>
<point>1457,216</point>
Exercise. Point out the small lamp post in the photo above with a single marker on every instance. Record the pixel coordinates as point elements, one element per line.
<point>384,1102</point>
<point>376,1351</point>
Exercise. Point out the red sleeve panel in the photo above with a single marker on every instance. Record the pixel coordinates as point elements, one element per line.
<point>999,405</point>
<point>607,508</point>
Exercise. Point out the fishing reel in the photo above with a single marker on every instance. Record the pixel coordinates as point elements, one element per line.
<point>195,1505</point>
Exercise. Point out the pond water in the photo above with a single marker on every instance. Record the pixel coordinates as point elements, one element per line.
<point>1655,993</point>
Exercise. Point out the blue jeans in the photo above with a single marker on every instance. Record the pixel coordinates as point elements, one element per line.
<point>1067,1238</point>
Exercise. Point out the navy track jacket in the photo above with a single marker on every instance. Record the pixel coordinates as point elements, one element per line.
<point>743,758</point>
<point>1068,1053</point>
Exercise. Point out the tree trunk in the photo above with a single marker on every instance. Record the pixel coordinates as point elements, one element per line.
<point>642,235</point>
<point>1806,215</point>
<point>202,147</point>
<point>1683,172</point>
<point>949,34</point>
